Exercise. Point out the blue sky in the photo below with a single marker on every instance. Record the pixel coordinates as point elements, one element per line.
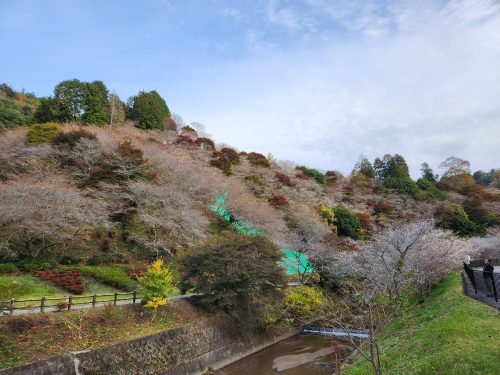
<point>314,81</point>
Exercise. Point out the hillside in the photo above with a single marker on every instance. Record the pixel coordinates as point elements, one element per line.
<point>448,334</point>
<point>128,194</point>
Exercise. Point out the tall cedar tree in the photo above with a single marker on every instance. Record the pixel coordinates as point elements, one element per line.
<point>95,104</point>
<point>150,110</point>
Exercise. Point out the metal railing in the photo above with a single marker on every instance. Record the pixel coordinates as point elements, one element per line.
<point>486,283</point>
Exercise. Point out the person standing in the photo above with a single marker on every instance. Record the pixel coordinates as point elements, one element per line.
<point>488,276</point>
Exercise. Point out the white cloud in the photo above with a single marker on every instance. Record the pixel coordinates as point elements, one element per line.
<point>428,86</point>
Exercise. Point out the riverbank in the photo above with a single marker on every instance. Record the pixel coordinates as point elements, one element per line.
<point>448,334</point>
<point>188,350</point>
<point>36,337</point>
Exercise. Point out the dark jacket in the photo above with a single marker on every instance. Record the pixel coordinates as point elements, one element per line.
<point>488,271</point>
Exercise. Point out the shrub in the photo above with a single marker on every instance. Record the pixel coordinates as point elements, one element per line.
<point>189,130</point>
<point>69,260</point>
<point>35,265</point>
<point>205,143</point>
<point>8,268</point>
<point>256,184</point>
<point>347,222</point>
<point>232,155</point>
<point>255,179</point>
<point>382,208</point>
<point>61,306</point>
<point>430,188</point>
<point>258,160</point>
<point>70,139</point>
<point>283,178</point>
<point>454,217</point>
<point>113,276</point>
<point>278,201</point>
<point>221,162</point>
<point>70,280</point>
<point>94,260</point>
<point>404,185</point>
<point>128,151</point>
<point>326,213</point>
<point>303,301</point>
<point>332,177</point>
<point>185,140</point>
<point>313,173</point>
<point>366,221</point>
<point>19,324</point>
<point>41,133</point>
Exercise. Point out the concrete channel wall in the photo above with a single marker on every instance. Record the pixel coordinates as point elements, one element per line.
<point>188,350</point>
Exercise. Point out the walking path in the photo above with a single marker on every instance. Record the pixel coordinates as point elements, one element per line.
<point>36,309</point>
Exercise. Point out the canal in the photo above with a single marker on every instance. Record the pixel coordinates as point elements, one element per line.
<point>303,354</point>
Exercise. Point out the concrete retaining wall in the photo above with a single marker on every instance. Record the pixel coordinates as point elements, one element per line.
<point>188,350</point>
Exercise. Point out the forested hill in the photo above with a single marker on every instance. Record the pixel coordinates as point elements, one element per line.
<point>86,177</point>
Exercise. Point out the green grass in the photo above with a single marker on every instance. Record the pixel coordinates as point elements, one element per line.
<point>448,334</point>
<point>25,287</point>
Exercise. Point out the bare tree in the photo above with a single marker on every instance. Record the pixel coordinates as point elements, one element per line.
<point>353,312</point>
<point>38,218</point>
<point>455,166</point>
<point>117,111</point>
<point>411,255</point>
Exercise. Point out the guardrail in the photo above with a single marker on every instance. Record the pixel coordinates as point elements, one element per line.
<point>68,302</point>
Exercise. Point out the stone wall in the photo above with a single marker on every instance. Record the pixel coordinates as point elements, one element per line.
<point>187,350</point>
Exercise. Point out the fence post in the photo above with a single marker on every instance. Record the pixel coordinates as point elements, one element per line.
<point>494,287</point>
<point>70,301</point>
<point>116,297</point>
<point>42,304</point>
<point>94,299</point>
<point>474,284</point>
<point>11,307</point>
<point>134,297</point>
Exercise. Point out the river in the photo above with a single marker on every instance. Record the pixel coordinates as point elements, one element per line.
<point>304,354</point>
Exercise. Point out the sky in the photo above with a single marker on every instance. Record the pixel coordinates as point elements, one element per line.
<point>318,82</point>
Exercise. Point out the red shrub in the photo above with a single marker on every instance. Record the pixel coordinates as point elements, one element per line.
<point>185,140</point>
<point>258,160</point>
<point>278,201</point>
<point>205,143</point>
<point>232,155</point>
<point>382,208</point>
<point>222,162</point>
<point>283,178</point>
<point>69,280</point>
<point>366,221</point>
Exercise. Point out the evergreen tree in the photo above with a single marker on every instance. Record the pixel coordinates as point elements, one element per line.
<point>149,110</point>
<point>68,100</point>
<point>427,172</point>
<point>95,104</point>
<point>46,111</point>
<point>364,167</point>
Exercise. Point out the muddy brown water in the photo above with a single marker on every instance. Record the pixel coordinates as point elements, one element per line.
<point>304,354</point>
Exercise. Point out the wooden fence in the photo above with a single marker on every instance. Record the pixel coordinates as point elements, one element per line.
<point>67,302</point>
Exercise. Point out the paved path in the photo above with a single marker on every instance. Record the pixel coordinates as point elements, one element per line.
<point>469,291</point>
<point>36,309</point>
